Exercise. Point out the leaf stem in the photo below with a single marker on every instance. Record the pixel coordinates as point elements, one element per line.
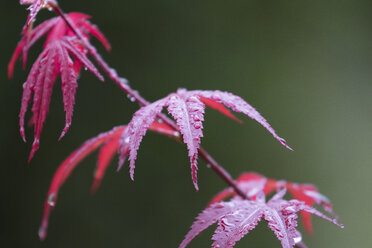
<point>123,85</point>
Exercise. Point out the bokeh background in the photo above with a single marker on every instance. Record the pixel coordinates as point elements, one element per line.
<point>305,65</point>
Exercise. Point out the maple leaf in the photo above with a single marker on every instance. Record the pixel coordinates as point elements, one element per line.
<point>237,217</point>
<point>56,28</point>
<point>108,143</point>
<point>34,8</point>
<point>251,183</point>
<point>187,108</point>
<point>63,54</point>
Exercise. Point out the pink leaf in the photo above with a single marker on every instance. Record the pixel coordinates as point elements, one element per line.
<point>187,108</point>
<point>234,226</point>
<point>238,105</point>
<point>237,217</point>
<point>207,218</point>
<point>251,183</point>
<point>36,6</point>
<point>137,128</point>
<point>189,114</point>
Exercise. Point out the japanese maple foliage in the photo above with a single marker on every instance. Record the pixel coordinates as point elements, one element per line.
<point>187,108</point>
<point>237,217</point>
<point>34,8</point>
<point>66,51</point>
<point>109,142</point>
<point>62,54</point>
<point>252,183</point>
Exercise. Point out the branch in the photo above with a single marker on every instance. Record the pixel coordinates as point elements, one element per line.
<point>122,83</point>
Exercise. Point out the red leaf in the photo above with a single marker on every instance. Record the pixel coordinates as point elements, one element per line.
<point>187,108</point>
<point>237,217</point>
<point>219,107</point>
<point>42,94</point>
<point>36,6</point>
<point>251,183</point>
<point>54,60</point>
<point>50,63</point>
<point>69,85</point>
<point>93,30</point>
<point>238,105</point>
<point>65,169</point>
<point>27,41</point>
<point>108,142</point>
<point>57,29</point>
<point>105,156</point>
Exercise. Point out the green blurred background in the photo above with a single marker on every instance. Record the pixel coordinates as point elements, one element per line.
<point>305,65</point>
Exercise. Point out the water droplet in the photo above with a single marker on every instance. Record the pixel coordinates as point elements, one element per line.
<point>127,139</point>
<point>123,80</point>
<point>51,200</point>
<point>85,69</point>
<point>197,126</point>
<point>41,233</point>
<point>283,140</point>
<point>131,98</point>
<point>208,166</point>
<point>160,121</point>
<point>176,133</point>
<point>50,9</point>
<point>113,72</point>
<point>196,118</point>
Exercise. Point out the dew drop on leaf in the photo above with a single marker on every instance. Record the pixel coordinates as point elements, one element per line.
<point>51,201</point>
<point>123,80</point>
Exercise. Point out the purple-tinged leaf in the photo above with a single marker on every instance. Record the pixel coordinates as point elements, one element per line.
<point>53,61</point>
<point>43,93</point>
<point>237,104</point>
<point>234,226</point>
<point>35,7</point>
<point>69,85</point>
<point>237,217</point>
<point>28,89</point>
<point>207,218</point>
<point>71,47</point>
<point>187,108</point>
<point>137,128</point>
<point>251,183</point>
<point>189,114</point>
<point>61,43</point>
